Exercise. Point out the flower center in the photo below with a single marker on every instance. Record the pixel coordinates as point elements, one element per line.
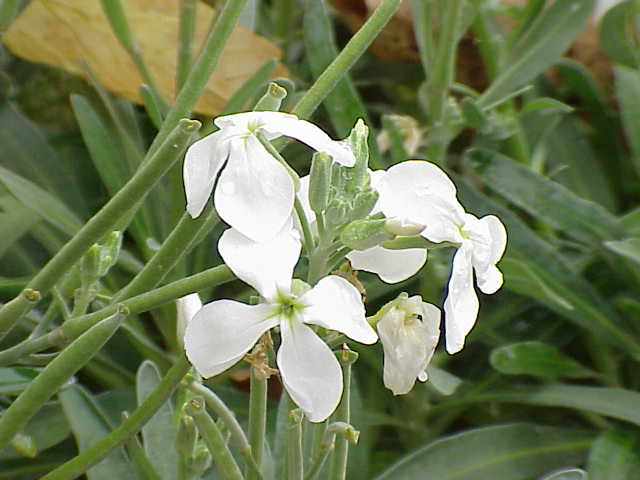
<point>287,305</point>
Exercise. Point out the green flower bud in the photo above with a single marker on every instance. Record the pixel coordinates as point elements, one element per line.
<point>24,445</point>
<point>200,462</point>
<point>363,203</point>
<point>186,436</point>
<point>272,99</point>
<point>90,266</point>
<point>337,211</point>
<point>319,182</point>
<point>359,174</point>
<point>109,252</point>
<point>338,177</point>
<point>363,234</point>
<point>398,226</point>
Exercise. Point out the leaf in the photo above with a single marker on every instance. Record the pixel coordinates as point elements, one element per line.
<point>568,474</point>
<point>88,425</point>
<point>513,451</point>
<point>537,359</point>
<point>614,456</point>
<point>61,32</point>
<point>45,204</point>
<point>15,221</point>
<point>545,41</point>
<point>628,248</point>
<point>443,382</point>
<point>545,105</point>
<point>628,94</point>
<point>551,202</point>
<point>616,39</point>
<point>159,433</point>
<point>14,379</point>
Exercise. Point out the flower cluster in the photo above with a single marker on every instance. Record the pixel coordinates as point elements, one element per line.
<point>255,194</point>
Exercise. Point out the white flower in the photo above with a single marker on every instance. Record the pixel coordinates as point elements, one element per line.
<point>186,308</point>
<point>409,330</point>
<point>254,193</point>
<point>421,193</point>
<point>223,331</point>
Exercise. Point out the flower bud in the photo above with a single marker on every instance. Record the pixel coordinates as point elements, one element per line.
<point>409,330</point>
<point>186,437</point>
<point>90,266</point>
<point>359,175</point>
<point>319,182</point>
<point>272,99</point>
<point>400,226</point>
<point>186,308</point>
<point>364,234</point>
<point>109,252</point>
<point>337,211</point>
<point>363,203</point>
<point>200,462</point>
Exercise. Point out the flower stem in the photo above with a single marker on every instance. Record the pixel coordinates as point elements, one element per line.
<point>228,417</point>
<point>129,427</point>
<point>257,419</point>
<point>55,374</point>
<point>352,51</point>
<point>125,201</point>
<point>295,465</point>
<point>214,440</point>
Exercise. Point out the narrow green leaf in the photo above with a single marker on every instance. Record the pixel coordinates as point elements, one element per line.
<point>49,207</point>
<point>151,105</point>
<point>616,39</point>
<point>568,474</point>
<point>614,456</point>
<point>443,382</point>
<point>628,248</point>
<point>159,433</point>
<point>551,202</point>
<point>514,452</point>
<point>545,105</point>
<point>537,359</point>
<point>545,41</point>
<point>88,424</point>
<point>628,94</point>
<point>15,220</point>
<point>13,380</point>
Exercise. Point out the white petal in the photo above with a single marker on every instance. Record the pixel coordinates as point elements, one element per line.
<point>303,196</point>
<point>312,135</point>
<point>488,248</point>
<point>310,371</point>
<point>266,266</point>
<point>408,342</point>
<point>222,332</point>
<point>461,305</point>
<point>255,193</point>
<point>202,163</point>
<point>422,193</point>
<point>489,280</point>
<point>186,308</point>
<point>391,265</point>
<point>337,305</point>
<point>247,121</point>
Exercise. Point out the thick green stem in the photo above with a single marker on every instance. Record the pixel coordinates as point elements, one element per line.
<point>257,419</point>
<point>215,441</point>
<point>202,69</point>
<point>61,368</point>
<point>125,201</point>
<point>229,419</point>
<point>185,39</point>
<point>352,51</point>
<point>127,428</point>
<point>327,444</point>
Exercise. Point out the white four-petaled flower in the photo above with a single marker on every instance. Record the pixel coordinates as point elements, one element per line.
<point>254,193</point>
<point>418,192</point>
<point>409,330</point>
<point>223,331</point>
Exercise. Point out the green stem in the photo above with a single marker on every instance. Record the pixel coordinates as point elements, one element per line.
<point>327,445</point>
<point>202,69</point>
<point>129,427</point>
<point>307,236</point>
<point>181,239</point>
<point>423,26</point>
<point>138,304</point>
<point>54,375</point>
<point>140,459</point>
<point>229,419</point>
<point>185,40</point>
<point>295,465</point>
<point>126,200</point>
<point>352,51</point>
<point>214,440</point>
<point>257,419</point>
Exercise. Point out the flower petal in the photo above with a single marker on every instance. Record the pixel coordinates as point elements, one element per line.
<point>461,305</point>
<point>266,266</point>
<point>247,121</point>
<point>186,308</point>
<point>255,193</point>
<point>422,193</point>
<point>489,239</point>
<point>310,371</point>
<point>337,305</point>
<point>312,135</point>
<point>391,265</point>
<point>222,332</point>
<point>202,163</point>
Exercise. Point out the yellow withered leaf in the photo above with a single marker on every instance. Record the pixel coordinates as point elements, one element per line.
<point>69,33</point>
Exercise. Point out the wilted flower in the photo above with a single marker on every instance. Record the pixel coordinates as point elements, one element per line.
<point>255,192</point>
<point>223,331</point>
<point>409,330</point>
